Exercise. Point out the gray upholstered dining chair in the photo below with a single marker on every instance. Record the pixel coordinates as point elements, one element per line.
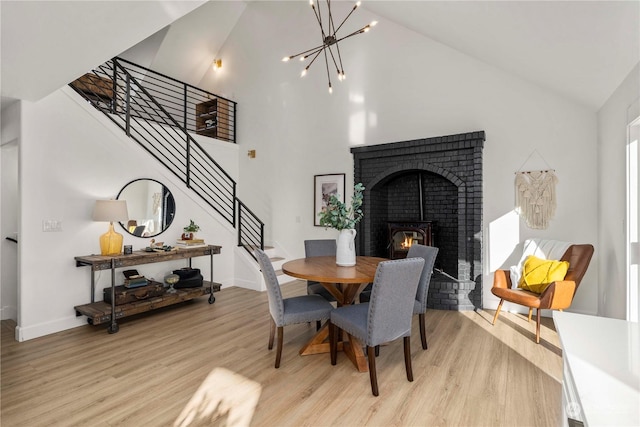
<point>429,254</point>
<point>386,317</point>
<point>288,311</point>
<point>319,247</point>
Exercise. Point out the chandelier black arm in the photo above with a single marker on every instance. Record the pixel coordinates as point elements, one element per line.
<point>307,51</point>
<point>334,59</point>
<point>318,15</point>
<point>360,31</point>
<point>314,58</point>
<point>347,17</point>
<point>332,27</point>
<point>326,61</point>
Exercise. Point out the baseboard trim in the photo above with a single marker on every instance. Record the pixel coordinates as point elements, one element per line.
<point>25,333</point>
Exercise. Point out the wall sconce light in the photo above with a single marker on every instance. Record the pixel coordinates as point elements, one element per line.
<point>217,64</point>
<point>251,154</point>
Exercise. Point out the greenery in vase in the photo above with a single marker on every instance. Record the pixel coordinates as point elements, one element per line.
<point>192,227</point>
<point>337,215</point>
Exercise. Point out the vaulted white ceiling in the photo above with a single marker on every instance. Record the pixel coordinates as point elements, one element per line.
<point>580,49</point>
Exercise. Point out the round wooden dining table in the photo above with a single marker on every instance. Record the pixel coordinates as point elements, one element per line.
<point>345,284</point>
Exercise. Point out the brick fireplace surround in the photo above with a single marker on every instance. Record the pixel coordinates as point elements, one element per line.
<point>433,179</point>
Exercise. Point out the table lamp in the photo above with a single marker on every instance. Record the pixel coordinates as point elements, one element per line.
<point>110,210</point>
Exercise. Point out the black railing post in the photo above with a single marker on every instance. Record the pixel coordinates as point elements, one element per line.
<point>114,87</point>
<point>128,108</point>
<point>262,237</point>
<point>188,162</point>
<point>235,124</point>
<point>239,222</point>
<point>185,108</point>
<point>233,189</point>
<point>188,141</point>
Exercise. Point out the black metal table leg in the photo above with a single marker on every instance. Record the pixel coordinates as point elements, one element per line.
<point>113,327</point>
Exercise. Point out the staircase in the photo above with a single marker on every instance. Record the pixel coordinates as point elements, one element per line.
<point>277,262</point>
<point>159,112</point>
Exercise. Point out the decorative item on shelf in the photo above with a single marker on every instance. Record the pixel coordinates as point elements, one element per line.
<point>110,210</point>
<point>330,40</point>
<point>162,248</point>
<point>133,279</point>
<point>189,278</point>
<point>338,216</point>
<point>192,243</point>
<point>172,279</point>
<point>189,230</point>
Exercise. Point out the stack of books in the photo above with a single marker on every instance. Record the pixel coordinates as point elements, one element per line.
<point>190,243</point>
<point>135,281</point>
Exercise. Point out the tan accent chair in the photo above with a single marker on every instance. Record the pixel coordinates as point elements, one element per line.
<point>558,296</point>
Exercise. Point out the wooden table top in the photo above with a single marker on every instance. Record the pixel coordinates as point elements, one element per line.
<point>100,262</point>
<point>324,269</point>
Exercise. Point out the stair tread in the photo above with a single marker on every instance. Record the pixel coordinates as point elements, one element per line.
<point>277,258</point>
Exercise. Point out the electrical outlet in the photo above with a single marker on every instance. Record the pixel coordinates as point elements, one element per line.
<point>51,225</point>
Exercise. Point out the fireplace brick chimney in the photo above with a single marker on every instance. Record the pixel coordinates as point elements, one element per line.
<point>432,179</point>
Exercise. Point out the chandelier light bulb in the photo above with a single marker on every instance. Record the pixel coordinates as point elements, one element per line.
<point>329,44</point>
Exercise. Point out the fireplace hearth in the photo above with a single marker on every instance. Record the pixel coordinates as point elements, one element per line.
<point>435,181</point>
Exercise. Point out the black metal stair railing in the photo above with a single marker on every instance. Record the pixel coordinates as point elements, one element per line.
<point>250,229</point>
<point>145,104</point>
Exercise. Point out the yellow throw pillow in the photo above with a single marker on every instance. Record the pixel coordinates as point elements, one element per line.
<point>539,273</point>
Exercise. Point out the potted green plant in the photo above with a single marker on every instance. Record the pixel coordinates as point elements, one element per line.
<point>189,230</point>
<point>344,219</point>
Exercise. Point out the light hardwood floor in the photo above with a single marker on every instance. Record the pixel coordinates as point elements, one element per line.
<point>204,359</point>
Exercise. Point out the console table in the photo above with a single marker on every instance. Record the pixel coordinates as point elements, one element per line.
<point>101,312</point>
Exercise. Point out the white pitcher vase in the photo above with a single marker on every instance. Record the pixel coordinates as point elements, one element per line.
<point>346,248</point>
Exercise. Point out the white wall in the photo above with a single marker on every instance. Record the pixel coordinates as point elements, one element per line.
<point>72,155</point>
<point>399,86</point>
<point>613,119</point>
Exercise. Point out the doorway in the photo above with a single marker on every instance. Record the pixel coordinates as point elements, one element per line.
<point>633,220</point>
<point>9,231</point>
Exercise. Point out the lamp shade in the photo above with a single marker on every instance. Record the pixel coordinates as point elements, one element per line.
<point>110,211</point>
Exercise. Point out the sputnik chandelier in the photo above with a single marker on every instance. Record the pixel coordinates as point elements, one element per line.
<point>330,41</point>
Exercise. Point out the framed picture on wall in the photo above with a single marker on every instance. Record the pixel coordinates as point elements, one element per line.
<point>324,187</point>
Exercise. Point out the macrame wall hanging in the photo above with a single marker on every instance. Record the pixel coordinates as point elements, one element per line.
<point>536,195</point>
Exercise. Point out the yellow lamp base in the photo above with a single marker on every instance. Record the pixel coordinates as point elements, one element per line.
<point>111,242</point>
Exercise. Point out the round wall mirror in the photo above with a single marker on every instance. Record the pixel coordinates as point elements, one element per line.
<point>151,207</point>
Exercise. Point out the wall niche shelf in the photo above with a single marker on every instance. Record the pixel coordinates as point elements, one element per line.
<point>212,119</point>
